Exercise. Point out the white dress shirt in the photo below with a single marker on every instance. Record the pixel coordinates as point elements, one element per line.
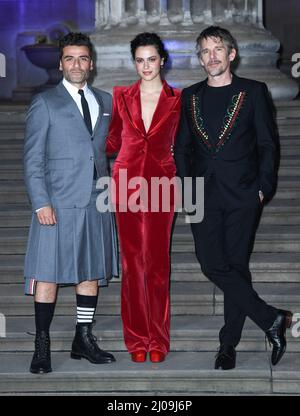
<point>89,96</point>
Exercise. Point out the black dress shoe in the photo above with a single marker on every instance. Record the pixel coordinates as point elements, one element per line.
<point>276,334</point>
<point>41,361</point>
<point>225,357</point>
<point>85,346</point>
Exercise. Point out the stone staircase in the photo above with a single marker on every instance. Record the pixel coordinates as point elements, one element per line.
<point>196,304</point>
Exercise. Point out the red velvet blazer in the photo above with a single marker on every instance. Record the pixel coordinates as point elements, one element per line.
<point>142,153</point>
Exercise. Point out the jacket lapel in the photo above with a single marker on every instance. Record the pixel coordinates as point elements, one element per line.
<point>132,102</point>
<point>71,105</point>
<point>196,112</point>
<point>101,108</point>
<point>229,120</point>
<point>165,105</point>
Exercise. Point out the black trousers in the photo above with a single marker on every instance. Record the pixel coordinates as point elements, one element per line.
<point>223,244</point>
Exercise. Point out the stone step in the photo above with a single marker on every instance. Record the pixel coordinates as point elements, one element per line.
<point>272,239</point>
<point>17,160</point>
<point>290,160</point>
<point>15,242</point>
<point>265,267</point>
<point>182,373</point>
<point>14,219</point>
<point>12,215</point>
<point>288,113</point>
<point>14,303</point>
<point>11,174</point>
<point>17,131</point>
<point>268,218</point>
<point>6,145</point>
<point>13,148</point>
<point>195,298</point>
<point>289,171</point>
<point>188,333</point>
<point>10,110</point>
<point>13,170</point>
<point>12,132</point>
<point>19,185</point>
<point>269,238</point>
<point>15,191</point>
<point>287,121</point>
<point>275,206</point>
<point>289,129</point>
<point>289,141</point>
<point>12,114</point>
<point>290,150</point>
<point>264,232</point>
<point>282,205</point>
<point>15,151</point>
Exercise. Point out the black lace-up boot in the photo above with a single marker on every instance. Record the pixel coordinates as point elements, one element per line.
<point>85,346</point>
<point>41,361</point>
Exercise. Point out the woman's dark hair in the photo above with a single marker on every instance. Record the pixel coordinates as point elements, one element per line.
<point>149,39</point>
<point>216,32</point>
<point>75,39</point>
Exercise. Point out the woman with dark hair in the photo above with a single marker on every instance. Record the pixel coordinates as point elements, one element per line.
<point>142,131</point>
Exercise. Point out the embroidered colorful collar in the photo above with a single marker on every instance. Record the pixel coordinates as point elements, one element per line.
<point>229,121</point>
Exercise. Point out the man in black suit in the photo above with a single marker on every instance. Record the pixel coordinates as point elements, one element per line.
<point>226,135</point>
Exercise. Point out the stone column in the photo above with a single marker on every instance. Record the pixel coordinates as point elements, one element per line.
<point>175,11</point>
<point>164,20</point>
<point>220,10</point>
<point>179,22</point>
<point>152,8</point>
<point>132,12</point>
<point>187,17</point>
<point>201,11</point>
<point>116,10</point>
<point>101,14</point>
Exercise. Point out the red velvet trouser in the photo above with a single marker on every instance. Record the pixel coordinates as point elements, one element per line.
<point>145,297</point>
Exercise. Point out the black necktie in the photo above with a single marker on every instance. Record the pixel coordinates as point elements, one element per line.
<point>86,111</point>
<point>87,119</point>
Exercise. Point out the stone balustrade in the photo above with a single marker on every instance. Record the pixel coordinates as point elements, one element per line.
<point>113,13</point>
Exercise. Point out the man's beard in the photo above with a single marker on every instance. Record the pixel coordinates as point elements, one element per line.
<point>77,79</point>
<point>214,72</point>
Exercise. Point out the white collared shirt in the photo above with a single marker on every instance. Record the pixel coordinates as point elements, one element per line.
<point>89,96</point>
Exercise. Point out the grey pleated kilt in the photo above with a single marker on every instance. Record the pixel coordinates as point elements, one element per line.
<point>81,246</point>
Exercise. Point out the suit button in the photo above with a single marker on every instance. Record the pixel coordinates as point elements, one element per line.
<point>92,138</point>
<point>92,158</point>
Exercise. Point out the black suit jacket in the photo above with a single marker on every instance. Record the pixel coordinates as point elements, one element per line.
<point>242,157</point>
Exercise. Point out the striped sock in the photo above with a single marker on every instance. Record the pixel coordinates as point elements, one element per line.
<point>86,307</point>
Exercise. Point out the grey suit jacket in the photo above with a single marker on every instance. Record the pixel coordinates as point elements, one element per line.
<point>59,151</point>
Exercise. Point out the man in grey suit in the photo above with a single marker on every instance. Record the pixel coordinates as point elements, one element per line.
<point>70,242</point>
